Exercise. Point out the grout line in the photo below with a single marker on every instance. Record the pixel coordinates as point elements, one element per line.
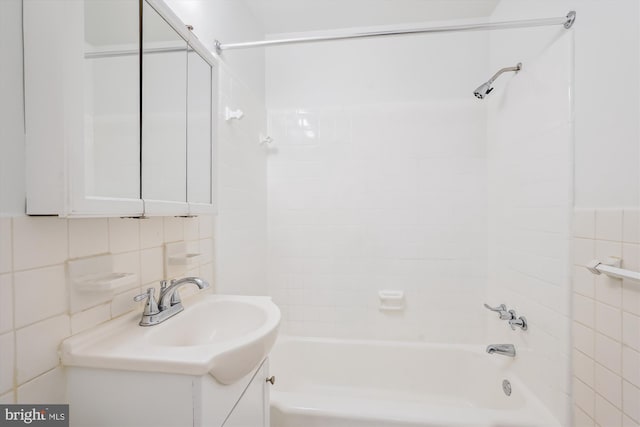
<point>58,366</point>
<point>13,320</point>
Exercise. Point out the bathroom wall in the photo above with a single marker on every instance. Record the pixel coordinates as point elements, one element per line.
<point>377,182</point>
<point>530,180</point>
<point>241,221</point>
<point>607,66</point>
<point>38,306</point>
<point>606,320</point>
<point>606,176</point>
<point>230,22</point>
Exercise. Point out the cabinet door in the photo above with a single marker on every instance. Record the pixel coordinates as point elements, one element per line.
<point>199,133</point>
<point>164,116</point>
<point>112,98</point>
<point>252,410</point>
<point>82,107</point>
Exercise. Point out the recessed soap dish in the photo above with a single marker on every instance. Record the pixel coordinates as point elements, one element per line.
<point>101,282</point>
<point>95,274</point>
<point>183,259</point>
<point>391,300</point>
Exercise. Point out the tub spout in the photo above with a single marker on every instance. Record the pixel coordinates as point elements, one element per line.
<point>503,349</point>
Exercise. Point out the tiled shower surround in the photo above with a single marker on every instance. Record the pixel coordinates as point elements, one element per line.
<point>383,183</point>
<point>379,197</point>
<point>530,197</point>
<point>37,310</point>
<point>606,321</point>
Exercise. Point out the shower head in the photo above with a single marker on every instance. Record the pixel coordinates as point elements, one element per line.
<point>485,88</point>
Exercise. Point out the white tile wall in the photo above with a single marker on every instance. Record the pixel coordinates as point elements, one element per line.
<point>50,286</point>
<point>173,229</point>
<point>383,196</point>
<point>609,350</point>
<point>30,246</point>
<point>120,232</point>
<point>631,227</point>
<point>378,181</point>
<point>241,223</point>
<point>44,388</point>
<point>151,232</point>
<point>631,365</point>
<point>151,265</point>
<point>191,229</point>
<point>608,353</point>
<point>7,361</point>
<point>39,308</point>
<point>89,318</point>
<point>609,225</point>
<point>6,303</point>
<point>88,237</point>
<point>580,418</point>
<point>37,346</point>
<point>628,422</point>
<point>530,180</point>
<point>6,255</point>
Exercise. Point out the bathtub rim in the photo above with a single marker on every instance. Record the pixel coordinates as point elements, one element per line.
<point>533,406</point>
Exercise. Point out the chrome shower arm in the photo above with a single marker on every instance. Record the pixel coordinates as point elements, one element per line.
<point>517,68</point>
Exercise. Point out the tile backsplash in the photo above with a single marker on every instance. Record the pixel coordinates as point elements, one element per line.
<point>39,308</point>
<point>606,320</point>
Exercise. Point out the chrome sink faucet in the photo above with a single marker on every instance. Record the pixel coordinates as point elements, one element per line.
<point>170,303</point>
<point>503,349</point>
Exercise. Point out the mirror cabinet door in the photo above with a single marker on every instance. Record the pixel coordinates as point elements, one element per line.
<point>112,98</point>
<point>164,110</point>
<point>199,140</point>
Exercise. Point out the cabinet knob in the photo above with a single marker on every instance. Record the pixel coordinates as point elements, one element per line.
<point>271,379</point>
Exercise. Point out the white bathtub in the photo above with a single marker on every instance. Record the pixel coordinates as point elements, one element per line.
<point>340,383</point>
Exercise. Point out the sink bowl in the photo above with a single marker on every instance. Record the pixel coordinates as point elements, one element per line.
<point>209,322</point>
<point>223,335</point>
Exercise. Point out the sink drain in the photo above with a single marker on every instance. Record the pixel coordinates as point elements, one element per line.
<point>506,387</point>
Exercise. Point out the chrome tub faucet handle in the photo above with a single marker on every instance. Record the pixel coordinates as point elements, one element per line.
<point>515,321</point>
<point>503,314</point>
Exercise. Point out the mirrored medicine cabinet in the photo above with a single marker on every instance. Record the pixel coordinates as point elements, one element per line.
<point>119,102</point>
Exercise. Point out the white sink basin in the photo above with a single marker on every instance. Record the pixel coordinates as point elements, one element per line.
<point>209,322</point>
<point>222,335</point>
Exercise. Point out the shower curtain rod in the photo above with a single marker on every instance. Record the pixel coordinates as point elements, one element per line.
<point>566,21</point>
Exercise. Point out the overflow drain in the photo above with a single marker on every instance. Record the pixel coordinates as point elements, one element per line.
<point>506,387</point>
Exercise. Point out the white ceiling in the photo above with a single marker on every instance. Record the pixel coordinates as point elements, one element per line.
<point>288,16</point>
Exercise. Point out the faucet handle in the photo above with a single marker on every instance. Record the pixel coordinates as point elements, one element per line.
<point>498,309</point>
<point>151,306</point>
<point>520,322</point>
<point>503,314</point>
<point>175,296</point>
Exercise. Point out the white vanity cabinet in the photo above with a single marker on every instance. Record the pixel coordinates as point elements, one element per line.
<point>118,121</point>
<point>252,409</point>
<point>113,398</point>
